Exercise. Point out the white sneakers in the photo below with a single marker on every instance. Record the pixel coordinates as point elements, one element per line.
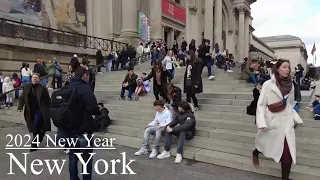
<point>154,153</point>
<point>164,154</point>
<point>211,77</point>
<point>167,154</point>
<point>178,159</point>
<point>144,151</point>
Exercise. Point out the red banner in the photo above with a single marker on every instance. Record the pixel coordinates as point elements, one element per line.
<point>174,11</point>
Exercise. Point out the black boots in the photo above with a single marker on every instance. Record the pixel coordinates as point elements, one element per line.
<point>285,170</point>
<point>255,158</point>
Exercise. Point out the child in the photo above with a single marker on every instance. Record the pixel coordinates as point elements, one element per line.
<point>8,86</point>
<point>17,83</point>
<point>315,107</point>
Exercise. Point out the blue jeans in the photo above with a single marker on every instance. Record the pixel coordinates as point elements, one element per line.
<point>151,131</point>
<point>130,89</point>
<point>73,159</point>
<point>254,79</point>
<point>296,107</point>
<point>25,80</point>
<point>208,64</point>
<point>17,94</point>
<point>171,71</point>
<point>43,82</point>
<point>182,137</point>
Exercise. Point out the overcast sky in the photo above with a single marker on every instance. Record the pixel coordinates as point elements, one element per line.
<point>289,17</point>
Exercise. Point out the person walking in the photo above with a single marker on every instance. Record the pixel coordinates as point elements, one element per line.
<point>36,102</point>
<point>192,78</point>
<point>276,120</point>
<point>160,79</point>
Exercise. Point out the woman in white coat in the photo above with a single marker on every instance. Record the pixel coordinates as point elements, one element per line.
<point>276,120</point>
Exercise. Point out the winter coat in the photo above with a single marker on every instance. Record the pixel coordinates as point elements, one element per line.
<point>280,125</point>
<point>7,85</point>
<point>164,79</point>
<point>187,123</point>
<point>44,101</point>
<point>103,116</point>
<point>132,81</point>
<point>196,79</point>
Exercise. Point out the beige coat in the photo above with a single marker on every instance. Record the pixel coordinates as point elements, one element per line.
<point>279,125</point>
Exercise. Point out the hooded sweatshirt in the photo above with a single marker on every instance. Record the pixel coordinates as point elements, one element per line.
<point>161,118</point>
<point>7,85</point>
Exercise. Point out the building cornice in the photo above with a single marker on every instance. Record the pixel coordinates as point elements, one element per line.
<point>262,43</point>
<point>251,28</point>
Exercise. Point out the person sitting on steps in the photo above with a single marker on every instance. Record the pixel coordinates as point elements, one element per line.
<point>129,84</point>
<point>156,127</point>
<point>185,130</point>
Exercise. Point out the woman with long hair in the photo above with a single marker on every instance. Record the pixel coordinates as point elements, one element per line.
<point>192,78</point>
<point>192,45</point>
<point>26,74</point>
<point>160,78</point>
<point>276,119</point>
<point>168,62</point>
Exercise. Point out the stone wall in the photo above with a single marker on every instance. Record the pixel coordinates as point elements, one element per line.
<point>11,58</point>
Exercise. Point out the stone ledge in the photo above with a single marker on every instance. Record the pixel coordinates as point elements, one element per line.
<point>45,46</point>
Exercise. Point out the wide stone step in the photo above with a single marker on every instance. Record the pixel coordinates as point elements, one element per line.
<point>201,141</point>
<point>212,95</point>
<point>219,108</point>
<point>204,126</point>
<point>226,159</point>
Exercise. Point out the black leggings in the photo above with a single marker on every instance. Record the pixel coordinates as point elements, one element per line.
<point>159,90</point>
<point>194,99</point>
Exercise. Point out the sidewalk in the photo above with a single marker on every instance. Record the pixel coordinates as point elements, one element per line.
<point>144,168</point>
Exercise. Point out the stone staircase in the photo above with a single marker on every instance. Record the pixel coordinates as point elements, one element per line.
<point>225,133</point>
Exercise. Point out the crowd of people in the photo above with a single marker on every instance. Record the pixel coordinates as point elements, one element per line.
<point>276,99</point>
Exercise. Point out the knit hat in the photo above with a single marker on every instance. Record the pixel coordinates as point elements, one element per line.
<point>75,55</point>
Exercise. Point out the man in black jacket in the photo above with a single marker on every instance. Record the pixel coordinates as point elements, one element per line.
<point>102,120</point>
<point>204,55</point>
<point>129,84</point>
<point>86,103</point>
<point>40,69</point>
<point>185,130</point>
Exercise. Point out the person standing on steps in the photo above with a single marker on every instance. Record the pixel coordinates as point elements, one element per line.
<point>192,78</point>
<point>36,102</point>
<point>160,78</point>
<point>204,54</point>
<point>276,119</point>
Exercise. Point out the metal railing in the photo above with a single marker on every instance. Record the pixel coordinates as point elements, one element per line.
<point>135,62</point>
<point>25,31</point>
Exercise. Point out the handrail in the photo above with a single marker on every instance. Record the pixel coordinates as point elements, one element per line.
<point>27,31</point>
<point>136,59</point>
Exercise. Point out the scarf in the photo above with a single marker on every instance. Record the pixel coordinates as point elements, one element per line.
<point>284,84</point>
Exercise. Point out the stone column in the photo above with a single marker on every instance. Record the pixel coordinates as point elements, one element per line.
<point>247,34</point>
<point>208,20</point>
<point>171,38</point>
<point>155,10</point>
<point>129,32</point>
<point>241,33</point>
<point>89,19</point>
<point>218,22</point>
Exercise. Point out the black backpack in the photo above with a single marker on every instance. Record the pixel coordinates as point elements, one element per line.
<point>63,110</point>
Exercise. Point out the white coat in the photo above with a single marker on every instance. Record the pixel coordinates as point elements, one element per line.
<point>280,125</point>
